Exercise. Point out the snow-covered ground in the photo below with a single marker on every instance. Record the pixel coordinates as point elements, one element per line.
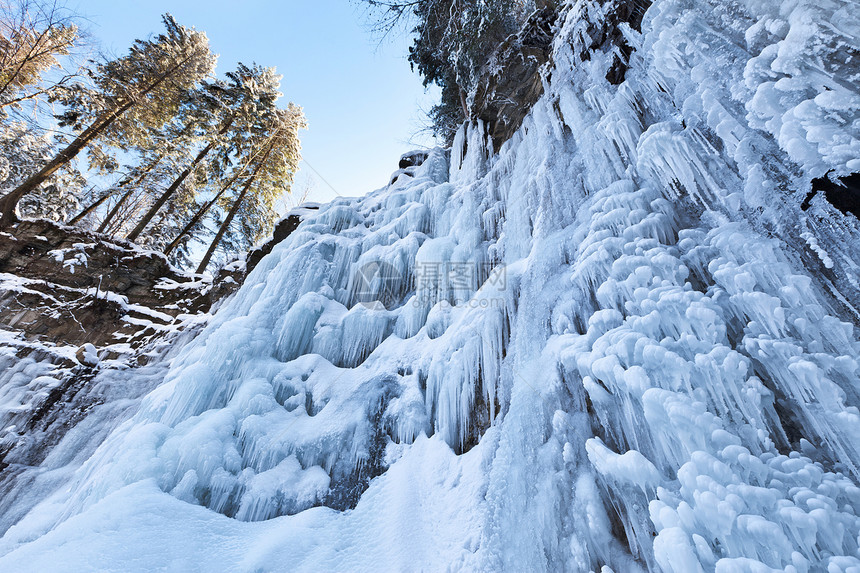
<point>618,344</point>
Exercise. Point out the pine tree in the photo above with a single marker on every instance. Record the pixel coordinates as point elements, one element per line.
<point>452,42</point>
<point>91,208</point>
<point>21,147</point>
<point>128,96</point>
<point>138,196</point>
<point>235,105</point>
<point>271,176</point>
<point>157,157</point>
<point>197,218</point>
<point>33,35</point>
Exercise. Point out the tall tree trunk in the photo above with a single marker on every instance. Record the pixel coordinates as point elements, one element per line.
<point>133,181</point>
<point>223,229</point>
<point>113,212</point>
<point>89,209</point>
<point>203,210</point>
<point>233,210</point>
<point>159,203</point>
<point>9,202</point>
<point>131,184</point>
<point>130,212</point>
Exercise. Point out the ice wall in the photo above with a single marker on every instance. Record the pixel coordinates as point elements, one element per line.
<point>618,344</point>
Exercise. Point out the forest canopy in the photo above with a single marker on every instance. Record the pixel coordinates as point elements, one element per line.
<point>452,41</point>
<point>150,145</point>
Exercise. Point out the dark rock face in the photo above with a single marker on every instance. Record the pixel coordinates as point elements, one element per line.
<point>127,271</point>
<point>412,159</point>
<point>409,163</point>
<point>283,229</point>
<point>66,286</point>
<point>843,193</point>
<point>610,37</point>
<point>511,82</point>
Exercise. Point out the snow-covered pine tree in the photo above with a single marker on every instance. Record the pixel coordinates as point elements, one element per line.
<point>226,113</point>
<point>125,97</point>
<point>156,161</point>
<point>452,42</point>
<point>20,148</point>
<point>33,35</point>
<point>252,208</point>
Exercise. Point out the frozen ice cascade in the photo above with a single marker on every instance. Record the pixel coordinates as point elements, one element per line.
<point>618,344</point>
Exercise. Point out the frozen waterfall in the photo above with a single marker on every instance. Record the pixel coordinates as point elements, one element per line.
<point>618,344</point>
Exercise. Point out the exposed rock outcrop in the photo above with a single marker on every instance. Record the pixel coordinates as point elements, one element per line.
<point>409,162</point>
<point>511,81</point>
<point>282,230</point>
<point>62,285</point>
<point>841,192</point>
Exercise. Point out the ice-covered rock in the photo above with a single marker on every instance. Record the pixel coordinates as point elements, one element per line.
<point>87,355</point>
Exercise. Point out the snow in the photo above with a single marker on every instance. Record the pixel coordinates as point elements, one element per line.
<point>77,252</point>
<point>618,344</point>
<point>87,355</point>
<point>207,541</point>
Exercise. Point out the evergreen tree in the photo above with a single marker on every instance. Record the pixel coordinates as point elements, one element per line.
<point>21,147</point>
<point>128,96</point>
<point>159,158</point>
<point>252,208</point>
<point>138,197</point>
<point>33,35</point>
<point>196,220</point>
<point>122,191</point>
<point>453,40</point>
<point>234,107</point>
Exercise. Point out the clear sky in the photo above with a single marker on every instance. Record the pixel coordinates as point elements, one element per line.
<point>362,102</point>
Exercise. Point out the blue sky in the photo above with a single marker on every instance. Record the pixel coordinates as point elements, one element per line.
<point>362,101</point>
